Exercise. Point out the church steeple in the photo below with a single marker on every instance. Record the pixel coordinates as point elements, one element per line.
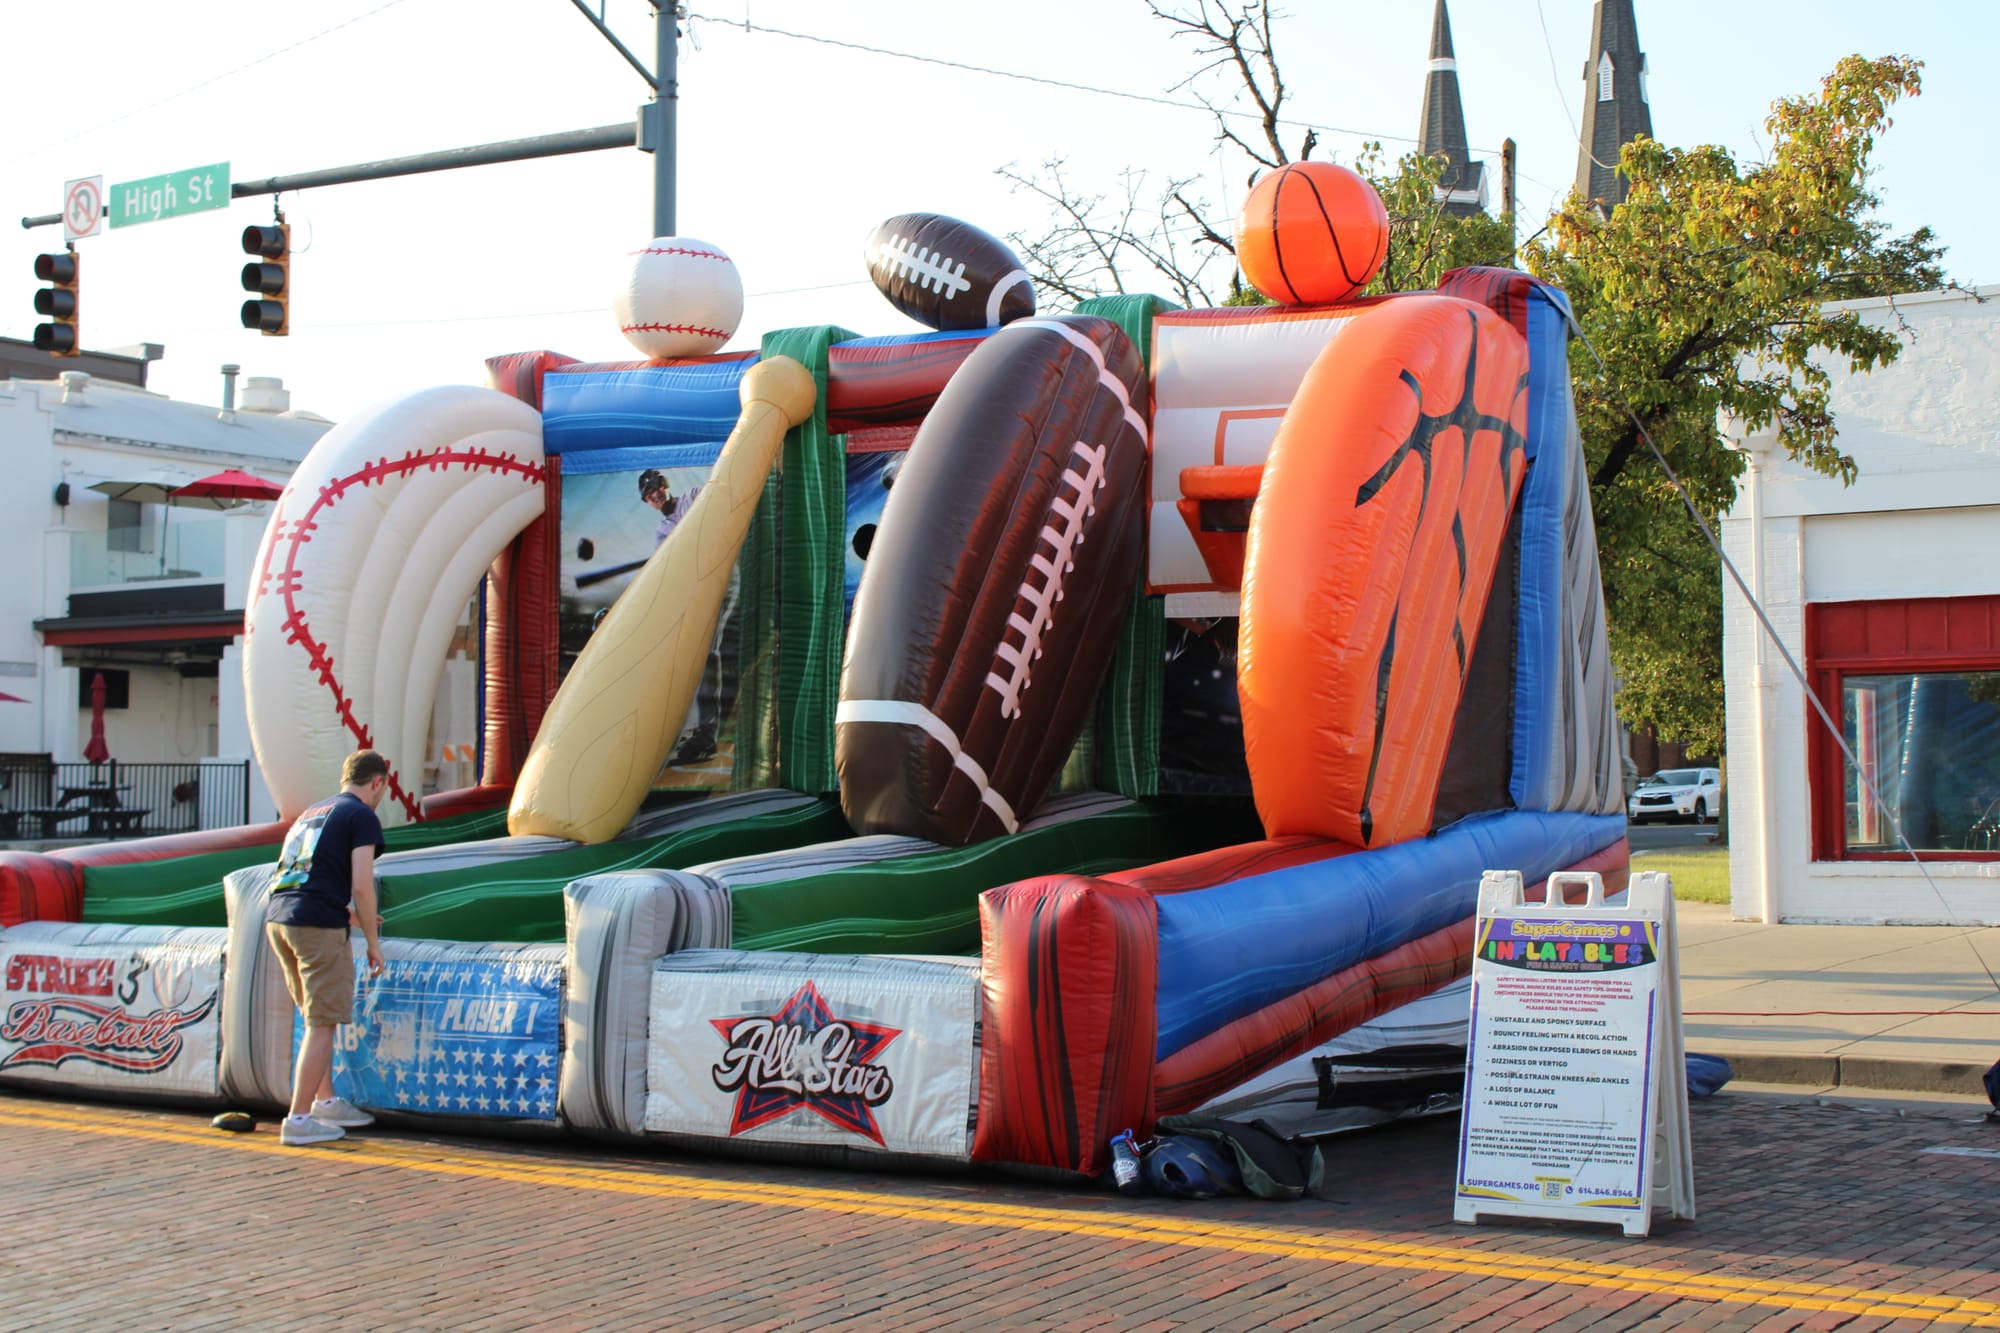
<point>1463,186</point>
<point>1615,110</point>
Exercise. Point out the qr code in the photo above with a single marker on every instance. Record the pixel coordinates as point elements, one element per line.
<point>1552,1190</point>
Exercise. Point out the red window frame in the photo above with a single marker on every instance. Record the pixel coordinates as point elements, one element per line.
<point>1888,637</point>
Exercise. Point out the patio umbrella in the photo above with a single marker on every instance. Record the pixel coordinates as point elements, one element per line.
<point>225,490</point>
<point>139,492</point>
<point>97,751</point>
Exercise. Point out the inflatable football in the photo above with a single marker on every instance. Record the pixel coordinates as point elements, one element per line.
<point>947,274</point>
<point>996,585</point>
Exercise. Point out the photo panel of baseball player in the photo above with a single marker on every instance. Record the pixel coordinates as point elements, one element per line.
<point>612,522</point>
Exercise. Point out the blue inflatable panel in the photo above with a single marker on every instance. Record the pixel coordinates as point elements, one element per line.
<point>694,403</point>
<point>1544,498</point>
<point>904,339</point>
<point>584,462</point>
<point>1231,950</point>
<point>456,1030</point>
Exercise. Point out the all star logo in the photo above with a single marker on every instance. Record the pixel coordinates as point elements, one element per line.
<point>804,1058</point>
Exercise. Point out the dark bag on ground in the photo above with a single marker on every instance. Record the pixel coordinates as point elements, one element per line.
<point>1273,1167</point>
<point>1706,1074</point>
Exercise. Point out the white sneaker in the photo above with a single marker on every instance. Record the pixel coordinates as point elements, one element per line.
<point>340,1111</point>
<point>297,1131</point>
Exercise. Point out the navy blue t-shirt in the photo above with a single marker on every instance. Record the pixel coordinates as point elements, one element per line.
<point>315,880</point>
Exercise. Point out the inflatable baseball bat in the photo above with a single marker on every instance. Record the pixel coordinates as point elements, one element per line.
<point>613,722</point>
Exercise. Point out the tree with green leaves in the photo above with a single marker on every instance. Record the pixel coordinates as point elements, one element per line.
<point>1704,293</point>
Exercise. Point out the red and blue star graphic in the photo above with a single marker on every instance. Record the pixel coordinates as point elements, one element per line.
<point>809,1012</point>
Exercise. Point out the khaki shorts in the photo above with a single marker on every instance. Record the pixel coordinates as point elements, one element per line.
<point>319,971</point>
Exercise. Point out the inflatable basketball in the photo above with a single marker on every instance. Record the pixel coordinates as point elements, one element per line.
<point>1372,547</point>
<point>1311,233</point>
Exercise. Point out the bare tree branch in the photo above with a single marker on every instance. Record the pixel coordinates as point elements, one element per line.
<point>1238,37</point>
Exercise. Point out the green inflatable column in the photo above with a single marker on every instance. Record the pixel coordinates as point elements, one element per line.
<point>1128,718</point>
<point>800,535</point>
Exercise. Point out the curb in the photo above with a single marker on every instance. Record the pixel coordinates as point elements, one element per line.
<point>1877,1073</point>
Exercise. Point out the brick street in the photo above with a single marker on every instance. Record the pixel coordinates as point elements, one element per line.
<point>1812,1217</point>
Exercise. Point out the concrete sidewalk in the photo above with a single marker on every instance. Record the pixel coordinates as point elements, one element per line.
<point>1878,1008</point>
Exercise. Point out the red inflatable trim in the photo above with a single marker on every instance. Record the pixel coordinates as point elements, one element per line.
<point>890,384</point>
<point>522,631</point>
<point>1613,865</point>
<point>1504,291</point>
<point>465,800</point>
<point>48,886</point>
<point>1294,1025</point>
<point>521,624</point>
<point>1070,970</point>
<point>519,374</point>
<point>34,887</point>
<point>1205,870</point>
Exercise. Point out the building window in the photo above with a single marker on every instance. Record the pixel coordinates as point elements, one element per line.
<point>125,526</point>
<point>1929,742</point>
<point>1915,687</point>
<point>1642,82</point>
<point>1604,77</point>
<point>117,687</point>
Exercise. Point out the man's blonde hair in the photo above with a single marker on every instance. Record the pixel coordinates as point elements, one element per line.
<point>363,767</point>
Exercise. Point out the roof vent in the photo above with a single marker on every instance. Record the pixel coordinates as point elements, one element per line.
<point>74,382</point>
<point>266,394</point>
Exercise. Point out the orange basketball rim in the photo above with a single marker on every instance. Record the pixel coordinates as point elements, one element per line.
<point>1372,548</point>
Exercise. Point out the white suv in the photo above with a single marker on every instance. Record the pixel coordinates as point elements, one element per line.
<point>1677,793</point>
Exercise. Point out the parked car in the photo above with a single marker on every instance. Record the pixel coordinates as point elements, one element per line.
<point>1679,794</point>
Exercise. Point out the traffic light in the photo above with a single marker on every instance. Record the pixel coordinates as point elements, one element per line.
<point>270,277</point>
<point>58,302</point>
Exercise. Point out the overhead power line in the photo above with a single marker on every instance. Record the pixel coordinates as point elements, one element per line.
<point>1177,104</point>
<point>197,87</point>
<point>578,310</point>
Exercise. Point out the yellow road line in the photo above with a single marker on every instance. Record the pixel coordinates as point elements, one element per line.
<point>1108,1222</point>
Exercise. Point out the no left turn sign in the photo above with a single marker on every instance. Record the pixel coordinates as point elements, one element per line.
<point>83,208</point>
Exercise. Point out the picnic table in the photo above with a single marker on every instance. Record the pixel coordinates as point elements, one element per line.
<point>101,804</point>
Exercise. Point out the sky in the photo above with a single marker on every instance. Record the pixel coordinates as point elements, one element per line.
<point>790,150</point>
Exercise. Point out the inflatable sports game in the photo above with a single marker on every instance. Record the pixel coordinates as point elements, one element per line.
<point>943,747</point>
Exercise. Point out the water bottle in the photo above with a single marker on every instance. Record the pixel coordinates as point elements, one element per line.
<point>1125,1163</point>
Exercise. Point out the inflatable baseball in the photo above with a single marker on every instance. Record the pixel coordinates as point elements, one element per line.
<point>372,553</point>
<point>681,297</point>
<point>996,585</point>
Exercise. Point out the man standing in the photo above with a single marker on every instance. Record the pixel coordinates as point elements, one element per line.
<point>326,878</point>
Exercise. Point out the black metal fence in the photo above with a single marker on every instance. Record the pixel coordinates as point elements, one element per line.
<point>41,799</point>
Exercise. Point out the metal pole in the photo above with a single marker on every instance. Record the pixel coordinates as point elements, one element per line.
<point>666,24</point>
<point>510,150</point>
<point>449,159</point>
